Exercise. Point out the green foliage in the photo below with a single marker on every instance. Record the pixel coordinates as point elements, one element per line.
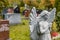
<point>21,9</point>
<point>3,4</point>
<point>38,1</point>
<point>41,7</point>
<point>54,26</point>
<point>57,5</point>
<point>21,4</point>
<point>58,21</point>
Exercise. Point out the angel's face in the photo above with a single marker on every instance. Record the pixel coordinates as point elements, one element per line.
<point>45,17</point>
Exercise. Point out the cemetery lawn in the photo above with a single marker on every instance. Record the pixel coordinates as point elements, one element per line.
<point>20,31</point>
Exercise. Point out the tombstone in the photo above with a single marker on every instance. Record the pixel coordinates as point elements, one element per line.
<point>26,6</point>
<point>17,9</point>
<point>13,18</point>
<point>4,29</point>
<point>4,11</point>
<point>10,10</point>
<point>27,12</point>
<point>7,10</point>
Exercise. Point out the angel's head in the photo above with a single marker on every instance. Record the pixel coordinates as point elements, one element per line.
<point>45,14</point>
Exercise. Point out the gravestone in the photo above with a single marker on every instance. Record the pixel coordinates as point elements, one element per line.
<point>4,30</point>
<point>27,12</point>
<point>13,18</point>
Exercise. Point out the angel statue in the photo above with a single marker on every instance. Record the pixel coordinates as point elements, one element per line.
<point>40,26</point>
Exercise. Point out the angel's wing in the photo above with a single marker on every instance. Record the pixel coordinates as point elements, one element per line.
<point>31,19</point>
<point>34,12</point>
<point>33,16</point>
<point>52,15</point>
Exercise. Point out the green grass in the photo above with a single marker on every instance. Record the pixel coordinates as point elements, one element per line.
<point>20,31</point>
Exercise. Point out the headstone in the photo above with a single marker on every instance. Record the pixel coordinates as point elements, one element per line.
<point>27,12</point>
<point>4,29</point>
<point>13,18</point>
<point>26,6</point>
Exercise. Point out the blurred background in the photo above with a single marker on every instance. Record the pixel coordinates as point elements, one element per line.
<point>21,31</point>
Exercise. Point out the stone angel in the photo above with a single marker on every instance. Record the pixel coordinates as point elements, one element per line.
<point>40,26</point>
